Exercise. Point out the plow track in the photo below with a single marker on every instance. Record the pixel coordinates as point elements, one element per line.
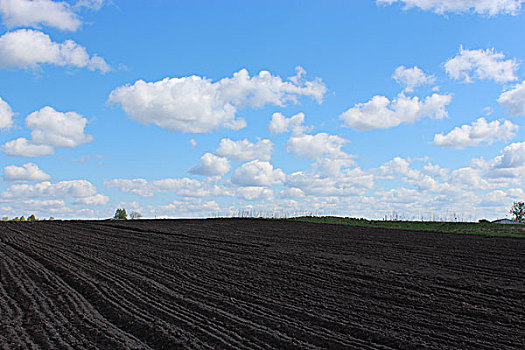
<point>255,284</point>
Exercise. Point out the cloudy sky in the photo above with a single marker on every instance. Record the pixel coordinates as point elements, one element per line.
<point>203,108</point>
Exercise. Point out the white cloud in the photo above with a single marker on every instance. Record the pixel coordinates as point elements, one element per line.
<point>254,193</point>
<point>58,129</point>
<point>26,173</point>
<point>33,13</point>
<point>27,48</point>
<point>399,195</point>
<point>184,187</point>
<point>316,146</point>
<point>95,200</point>
<point>196,104</point>
<point>50,129</point>
<point>513,156</point>
<point>514,100</point>
<point>6,115</point>
<point>381,113</point>
<point>23,148</point>
<point>257,173</point>
<point>412,78</point>
<point>481,64</point>
<point>350,182</point>
<point>479,132</point>
<point>483,7</point>
<point>61,190</point>
<point>90,4</point>
<point>245,150</point>
<point>189,207</point>
<point>280,124</point>
<point>211,165</point>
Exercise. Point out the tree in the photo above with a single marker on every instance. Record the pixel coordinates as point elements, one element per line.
<point>518,211</point>
<point>121,214</point>
<point>22,218</point>
<point>32,218</point>
<point>135,215</point>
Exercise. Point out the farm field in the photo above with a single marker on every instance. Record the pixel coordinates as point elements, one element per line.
<point>470,228</point>
<point>256,284</point>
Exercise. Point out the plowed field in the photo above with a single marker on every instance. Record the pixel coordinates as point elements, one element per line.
<point>256,284</point>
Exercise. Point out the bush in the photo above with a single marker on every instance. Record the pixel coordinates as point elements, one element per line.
<point>22,218</point>
<point>121,214</point>
<point>32,218</point>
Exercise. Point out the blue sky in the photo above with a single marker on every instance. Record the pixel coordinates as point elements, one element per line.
<point>203,108</point>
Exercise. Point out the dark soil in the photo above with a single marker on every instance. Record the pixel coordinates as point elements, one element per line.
<point>256,284</point>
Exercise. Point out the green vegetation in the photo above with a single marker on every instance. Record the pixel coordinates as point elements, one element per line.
<point>32,217</point>
<point>483,228</point>
<point>121,214</point>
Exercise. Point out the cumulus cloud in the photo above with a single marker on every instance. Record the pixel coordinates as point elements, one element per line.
<point>316,146</point>
<point>183,186</point>
<point>351,182</point>
<point>245,150</point>
<point>24,148</point>
<point>6,115</point>
<point>95,200</point>
<point>27,48</point>
<point>481,64</point>
<point>26,173</point>
<point>514,100</point>
<point>211,165</point>
<point>381,113</point>
<point>254,193</point>
<point>34,13</point>
<point>63,189</point>
<point>257,173</point>
<point>419,179</point>
<point>280,124</point>
<point>196,104</point>
<point>412,78</point>
<point>483,7</point>
<point>50,128</point>
<point>478,132</point>
<point>189,207</point>
<point>513,156</point>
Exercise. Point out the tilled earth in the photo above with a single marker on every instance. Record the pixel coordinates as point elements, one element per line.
<point>256,284</point>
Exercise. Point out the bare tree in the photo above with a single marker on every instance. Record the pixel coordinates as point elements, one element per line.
<point>135,215</point>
